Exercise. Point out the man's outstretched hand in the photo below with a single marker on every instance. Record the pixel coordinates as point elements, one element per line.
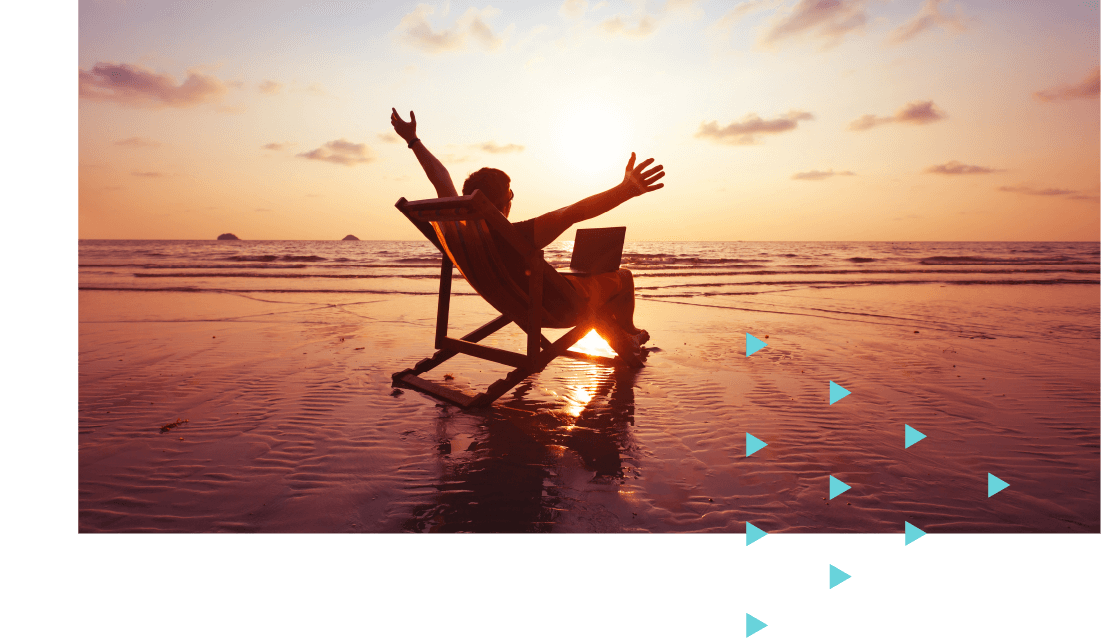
<point>640,180</point>
<point>407,130</point>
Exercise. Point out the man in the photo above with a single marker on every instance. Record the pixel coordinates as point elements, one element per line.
<point>614,288</point>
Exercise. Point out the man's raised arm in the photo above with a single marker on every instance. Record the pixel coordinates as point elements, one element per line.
<point>433,168</point>
<point>636,181</point>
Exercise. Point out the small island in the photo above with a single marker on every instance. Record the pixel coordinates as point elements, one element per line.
<point>349,237</point>
<point>228,237</point>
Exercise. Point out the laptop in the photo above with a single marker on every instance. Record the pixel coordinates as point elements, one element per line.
<point>597,251</point>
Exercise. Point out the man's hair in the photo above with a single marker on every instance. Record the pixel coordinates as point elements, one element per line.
<point>493,183</point>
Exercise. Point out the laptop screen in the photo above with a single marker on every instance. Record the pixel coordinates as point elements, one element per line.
<point>597,251</point>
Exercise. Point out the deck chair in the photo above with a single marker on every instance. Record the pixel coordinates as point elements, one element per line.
<point>462,229</point>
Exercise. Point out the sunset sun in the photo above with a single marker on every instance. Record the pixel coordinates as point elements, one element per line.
<point>591,136</point>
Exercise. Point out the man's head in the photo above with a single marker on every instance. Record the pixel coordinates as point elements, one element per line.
<point>494,185</point>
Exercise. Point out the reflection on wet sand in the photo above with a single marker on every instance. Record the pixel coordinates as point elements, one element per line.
<point>508,477</point>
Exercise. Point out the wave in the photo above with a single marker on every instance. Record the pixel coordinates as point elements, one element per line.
<point>825,284</point>
<point>989,260</point>
<point>405,262</point>
<point>691,261</point>
<point>861,259</point>
<point>267,258</point>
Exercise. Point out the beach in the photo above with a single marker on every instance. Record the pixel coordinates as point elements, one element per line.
<point>216,410</point>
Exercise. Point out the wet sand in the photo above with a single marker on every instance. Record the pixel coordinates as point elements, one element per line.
<point>293,426</point>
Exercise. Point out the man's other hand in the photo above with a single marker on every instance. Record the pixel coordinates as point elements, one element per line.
<point>407,130</point>
<point>639,180</point>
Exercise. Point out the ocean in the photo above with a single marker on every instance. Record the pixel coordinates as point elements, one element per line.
<point>662,269</point>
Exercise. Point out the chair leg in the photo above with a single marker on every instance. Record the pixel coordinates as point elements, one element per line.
<point>498,389</point>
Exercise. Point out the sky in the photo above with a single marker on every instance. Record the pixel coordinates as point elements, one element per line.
<point>827,120</point>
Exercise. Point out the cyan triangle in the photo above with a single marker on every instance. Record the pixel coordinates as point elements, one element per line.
<point>753,625</point>
<point>753,533</point>
<point>837,577</point>
<point>837,487</point>
<point>752,344</point>
<point>753,444</point>
<point>913,533</point>
<point>912,436</point>
<point>994,485</point>
<point>837,392</point>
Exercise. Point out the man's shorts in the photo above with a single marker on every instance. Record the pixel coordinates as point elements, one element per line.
<point>598,289</point>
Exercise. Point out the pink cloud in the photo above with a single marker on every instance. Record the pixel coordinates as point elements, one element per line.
<point>915,113</point>
<point>927,18</point>
<point>1030,191</point>
<point>415,30</point>
<point>494,148</point>
<point>1087,88</point>
<point>751,127</point>
<point>955,168</point>
<point>135,86</point>
<point>340,152</point>
<point>820,175</point>
<point>829,19</point>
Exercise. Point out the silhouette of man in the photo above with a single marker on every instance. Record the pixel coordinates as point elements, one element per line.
<point>614,288</point>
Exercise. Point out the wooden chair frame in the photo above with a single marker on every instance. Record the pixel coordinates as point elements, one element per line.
<point>438,219</point>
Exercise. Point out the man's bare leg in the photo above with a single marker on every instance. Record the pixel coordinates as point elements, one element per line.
<point>623,311</point>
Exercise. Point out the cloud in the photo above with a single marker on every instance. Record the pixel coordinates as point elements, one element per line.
<point>929,17</point>
<point>726,22</point>
<point>641,23</point>
<point>867,121</point>
<point>954,168</point>
<point>621,25</point>
<point>340,152</point>
<point>820,175</point>
<point>135,86</point>
<point>638,23</point>
<point>494,148</point>
<point>1029,191</point>
<point>829,19</point>
<point>752,126</point>
<point>389,138</point>
<point>270,87</point>
<point>148,174</point>
<point>915,113</point>
<point>137,142</point>
<point>277,146</point>
<point>919,113</point>
<point>1088,88</point>
<point>416,32</point>
<point>573,10</point>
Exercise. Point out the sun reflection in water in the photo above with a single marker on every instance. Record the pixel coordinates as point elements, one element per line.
<point>594,345</point>
<point>581,380</point>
